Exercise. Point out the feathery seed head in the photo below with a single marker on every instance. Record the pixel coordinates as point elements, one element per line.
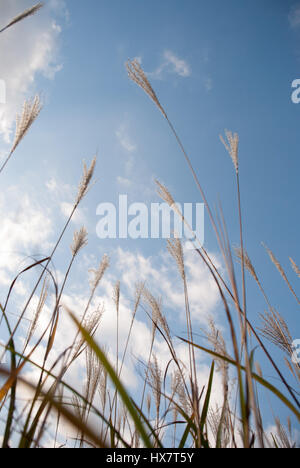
<point>276,330</point>
<point>79,241</point>
<point>31,110</point>
<point>86,180</point>
<point>98,274</point>
<point>29,12</point>
<point>295,267</point>
<point>174,247</point>
<point>232,146</point>
<point>137,74</point>
<point>247,261</point>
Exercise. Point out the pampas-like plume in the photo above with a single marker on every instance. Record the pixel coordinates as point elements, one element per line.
<point>276,330</point>
<point>248,263</point>
<point>79,241</point>
<point>156,383</point>
<point>98,274</point>
<point>116,294</point>
<point>31,110</point>
<point>232,146</point>
<point>164,194</point>
<point>295,267</point>
<point>216,338</point>
<point>40,306</point>
<point>84,185</point>
<point>157,314</point>
<point>174,247</point>
<point>137,74</point>
<point>90,324</point>
<point>30,12</point>
<point>281,271</point>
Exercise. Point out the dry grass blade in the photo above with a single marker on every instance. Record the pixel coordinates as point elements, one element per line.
<point>285,442</point>
<point>137,74</point>
<point>29,12</point>
<point>232,146</point>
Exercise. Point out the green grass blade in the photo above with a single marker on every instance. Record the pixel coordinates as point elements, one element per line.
<point>116,381</point>
<point>256,377</point>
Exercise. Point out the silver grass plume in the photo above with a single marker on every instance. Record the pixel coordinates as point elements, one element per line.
<point>281,271</point>
<point>29,12</point>
<point>166,196</point>
<point>98,274</point>
<point>156,383</point>
<point>295,267</point>
<point>137,74</point>
<point>158,317</point>
<point>276,330</point>
<point>174,247</point>
<point>216,338</point>
<point>31,110</point>
<point>86,180</point>
<point>40,306</point>
<point>79,241</point>
<point>248,263</point>
<point>116,294</point>
<point>90,324</point>
<point>232,146</point>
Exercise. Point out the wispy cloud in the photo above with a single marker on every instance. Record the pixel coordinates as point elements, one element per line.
<point>27,50</point>
<point>124,139</point>
<point>294,16</point>
<point>208,83</point>
<point>172,64</point>
<point>124,182</point>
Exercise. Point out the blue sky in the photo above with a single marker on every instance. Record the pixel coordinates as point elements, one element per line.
<point>214,64</point>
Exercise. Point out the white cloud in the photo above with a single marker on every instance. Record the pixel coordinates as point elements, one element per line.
<point>163,279</point>
<point>208,83</point>
<point>124,139</point>
<point>177,65</point>
<point>25,227</point>
<point>66,209</point>
<point>27,50</point>
<point>171,64</point>
<point>124,182</point>
<point>294,16</point>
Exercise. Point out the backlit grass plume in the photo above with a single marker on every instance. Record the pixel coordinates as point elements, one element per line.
<point>232,146</point>
<point>29,12</point>
<point>30,112</point>
<point>137,74</point>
